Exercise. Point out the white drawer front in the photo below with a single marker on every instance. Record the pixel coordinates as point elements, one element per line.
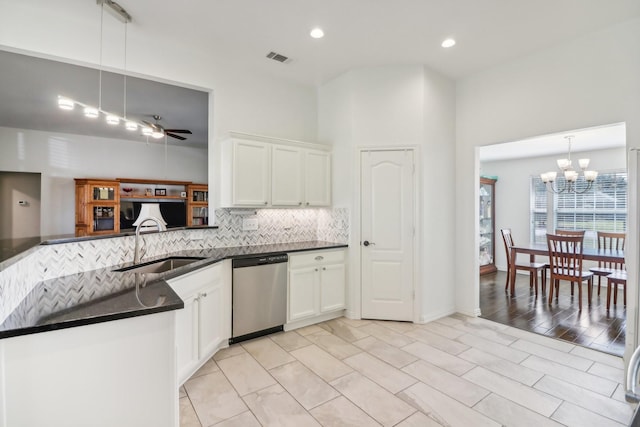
<point>317,257</point>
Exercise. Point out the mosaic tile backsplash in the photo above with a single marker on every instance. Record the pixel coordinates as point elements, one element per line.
<point>274,226</point>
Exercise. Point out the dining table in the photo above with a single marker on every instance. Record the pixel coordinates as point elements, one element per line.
<point>589,254</point>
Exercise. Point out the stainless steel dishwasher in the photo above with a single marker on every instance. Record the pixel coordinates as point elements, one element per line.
<point>259,296</point>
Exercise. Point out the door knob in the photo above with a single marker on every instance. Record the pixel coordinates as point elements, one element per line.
<point>367,243</point>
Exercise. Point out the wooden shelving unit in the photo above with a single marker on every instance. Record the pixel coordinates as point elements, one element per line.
<point>98,201</point>
<point>198,205</point>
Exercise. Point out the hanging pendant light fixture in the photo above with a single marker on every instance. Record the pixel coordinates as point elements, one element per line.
<point>570,174</point>
<point>92,112</point>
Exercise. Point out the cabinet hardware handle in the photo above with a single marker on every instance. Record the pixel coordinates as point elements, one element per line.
<point>307,203</point>
<point>367,243</point>
<point>299,203</point>
<point>265,203</point>
<point>315,269</point>
<point>319,258</point>
<point>324,268</point>
<point>204,294</point>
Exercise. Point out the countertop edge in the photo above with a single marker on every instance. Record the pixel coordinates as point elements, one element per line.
<point>163,277</point>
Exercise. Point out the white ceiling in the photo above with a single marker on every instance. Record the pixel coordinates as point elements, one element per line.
<point>359,33</point>
<point>362,33</point>
<point>590,139</point>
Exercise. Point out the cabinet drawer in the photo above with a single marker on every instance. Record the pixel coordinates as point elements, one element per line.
<point>191,283</point>
<point>316,257</point>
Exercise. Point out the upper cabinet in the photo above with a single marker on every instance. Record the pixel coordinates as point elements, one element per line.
<point>270,172</point>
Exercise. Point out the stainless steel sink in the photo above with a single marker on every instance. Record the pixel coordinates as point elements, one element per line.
<point>160,266</point>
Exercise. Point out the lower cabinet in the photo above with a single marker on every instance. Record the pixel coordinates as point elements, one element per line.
<point>200,326</point>
<point>316,283</point>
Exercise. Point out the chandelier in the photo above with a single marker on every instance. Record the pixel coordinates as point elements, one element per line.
<point>570,175</point>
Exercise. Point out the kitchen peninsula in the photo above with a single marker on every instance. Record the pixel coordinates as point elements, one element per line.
<point>95,341</point>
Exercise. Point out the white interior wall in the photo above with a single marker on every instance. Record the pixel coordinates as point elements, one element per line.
<point>401,106</point>
<point>593,80</point>
<point>243,100</point>
<point>61,157</point>
<point>512,199</point>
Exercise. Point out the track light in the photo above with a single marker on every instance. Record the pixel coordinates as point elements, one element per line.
<point>91,112</point>
<point>65,103</point>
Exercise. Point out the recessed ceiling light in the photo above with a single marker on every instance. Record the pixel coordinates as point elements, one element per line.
<point>317,33</point>
<point>448,43</point>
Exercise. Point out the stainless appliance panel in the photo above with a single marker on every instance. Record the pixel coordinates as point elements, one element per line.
<point>259,298</point>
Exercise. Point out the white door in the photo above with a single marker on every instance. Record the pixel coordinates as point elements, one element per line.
<point>387,211</point>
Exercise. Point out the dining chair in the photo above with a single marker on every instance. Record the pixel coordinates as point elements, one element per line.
<point>609,241</point>
<point>532,267</point>
<point>565,259</point>
<point>613,280</point>
<point>561,232</point>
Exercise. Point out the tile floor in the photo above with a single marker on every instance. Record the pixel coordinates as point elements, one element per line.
<point>456,371</point>
<point>593,327</point>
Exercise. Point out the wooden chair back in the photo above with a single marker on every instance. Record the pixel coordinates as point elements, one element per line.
<point>569,232</point>
<point>612,241</point>
<point>507,238</point>
<point>565,257</point>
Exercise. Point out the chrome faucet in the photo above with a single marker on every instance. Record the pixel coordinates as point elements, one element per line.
<point>136,250</point>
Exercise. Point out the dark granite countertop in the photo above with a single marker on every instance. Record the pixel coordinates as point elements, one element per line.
<point>103,295</point>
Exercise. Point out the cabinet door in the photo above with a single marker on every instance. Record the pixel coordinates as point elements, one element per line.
<point>332,287</point>
<point>286,176</point>
<point>187,338</point>
<point>317,178</point>
<point>251,174</point>
<point>210,319</point>
<point>302,292</point>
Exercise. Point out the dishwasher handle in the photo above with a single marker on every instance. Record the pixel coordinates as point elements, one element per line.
<point>631,394</point>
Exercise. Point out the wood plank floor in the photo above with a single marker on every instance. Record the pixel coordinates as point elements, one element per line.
<point>594,327</point>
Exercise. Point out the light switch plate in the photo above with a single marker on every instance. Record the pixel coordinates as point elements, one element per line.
<point>249,224</point>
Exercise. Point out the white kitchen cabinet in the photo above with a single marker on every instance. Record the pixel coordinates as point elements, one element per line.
<point>316,283</point>
<point>248,179</point>
<point>317,178</point>
<point>200,326</point>
<point>286,176</point>
<point>259,171</point>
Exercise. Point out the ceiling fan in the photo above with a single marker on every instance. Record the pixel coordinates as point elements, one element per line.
<point>157,127</point>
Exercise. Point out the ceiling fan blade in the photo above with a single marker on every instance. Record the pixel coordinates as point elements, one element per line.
<point>181,138</point>
<point>179,131</point>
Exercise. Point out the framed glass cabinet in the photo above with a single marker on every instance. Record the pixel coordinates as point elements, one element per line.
<point>487,250</point>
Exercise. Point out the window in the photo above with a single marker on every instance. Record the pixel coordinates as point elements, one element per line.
<point>603,208</point>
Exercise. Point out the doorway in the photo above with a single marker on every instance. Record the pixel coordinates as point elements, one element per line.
<point>524,205</point>
<point>387,231</point>
<point>19,205</point>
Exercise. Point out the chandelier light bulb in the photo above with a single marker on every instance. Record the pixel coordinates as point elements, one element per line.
<point>129,125</point>
<point>66,104</point>
<point>91,112</point>
<point>147,131</point>
<point>317,33</point>
<point>564,164</point>
<point>590,176</point>
<point>584,163</point>
<point>157,134</point>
